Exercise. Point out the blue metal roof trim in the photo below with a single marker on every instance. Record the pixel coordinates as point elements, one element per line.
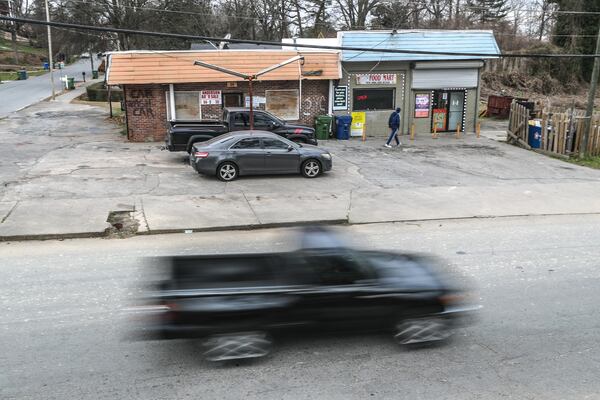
<point>452,41</point>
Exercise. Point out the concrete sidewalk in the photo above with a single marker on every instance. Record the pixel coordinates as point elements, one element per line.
<point>48,218</point>
<point>65,168</point>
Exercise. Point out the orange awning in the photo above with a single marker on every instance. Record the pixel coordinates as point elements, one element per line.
<point>165,67</point>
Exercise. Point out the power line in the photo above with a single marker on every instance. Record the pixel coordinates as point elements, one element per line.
<point>279,44</point>
<point>135,8</point>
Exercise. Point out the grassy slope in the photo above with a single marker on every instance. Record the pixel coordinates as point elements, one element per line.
<point>6,46</point>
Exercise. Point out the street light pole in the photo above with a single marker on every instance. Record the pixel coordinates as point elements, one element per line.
<point>251,101</point>
<point>50,50</point>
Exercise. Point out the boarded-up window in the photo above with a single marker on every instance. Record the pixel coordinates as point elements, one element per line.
<point>283,103</point>
<point>187,106</point>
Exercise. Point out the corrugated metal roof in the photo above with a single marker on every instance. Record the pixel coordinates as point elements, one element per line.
<point>143,67</point>
<point>469,41</point>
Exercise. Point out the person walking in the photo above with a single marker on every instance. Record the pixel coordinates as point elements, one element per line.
<point>394,124</point>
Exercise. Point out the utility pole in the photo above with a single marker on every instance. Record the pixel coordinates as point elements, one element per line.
<point>50,51</point>
<point>92,60</point>
<point>590,102</point>
<point>13,33</point>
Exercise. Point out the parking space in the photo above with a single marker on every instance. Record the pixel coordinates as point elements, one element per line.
<point>67,159</point>
<point>72,151</point>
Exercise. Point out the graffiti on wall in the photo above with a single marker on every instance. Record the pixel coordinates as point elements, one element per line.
<point>140,103</point>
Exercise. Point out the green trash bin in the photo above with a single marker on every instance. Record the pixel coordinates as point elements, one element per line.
<point>323,126</point>
<point>70,83</point>
<point>94,74</point>
<point>22,74</point>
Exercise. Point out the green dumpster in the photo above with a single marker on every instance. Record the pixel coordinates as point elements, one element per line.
<point>22,74</point>
<point>70,83</point>
<point>323,126</point>
<point>94,74</point>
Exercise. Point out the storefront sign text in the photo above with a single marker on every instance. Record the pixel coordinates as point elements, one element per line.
<point>210,97</point>
<point>439,119</point>
<point>340,98</point>
<point>256,101</point>
<point>422,105</point>
<point>376,79</point>
<point>359,120</point>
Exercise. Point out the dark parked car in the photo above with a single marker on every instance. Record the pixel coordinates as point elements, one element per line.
<point>257,152</point>
<point>182,135</point>
<point>237,303</point>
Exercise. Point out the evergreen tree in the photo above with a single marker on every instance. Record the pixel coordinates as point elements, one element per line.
<point>576,33</point>
<point>488,11</point>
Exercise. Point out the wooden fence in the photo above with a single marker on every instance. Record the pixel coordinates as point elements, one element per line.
<point>561,132</point>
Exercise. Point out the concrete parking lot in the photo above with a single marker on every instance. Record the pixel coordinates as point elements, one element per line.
<point>65,166</point>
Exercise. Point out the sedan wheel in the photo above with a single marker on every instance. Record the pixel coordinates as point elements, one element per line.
<point>421,330</point>
<point>311,168</point>
<point>227,172</point>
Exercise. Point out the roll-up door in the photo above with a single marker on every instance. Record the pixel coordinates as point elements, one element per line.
<point>444,78</point>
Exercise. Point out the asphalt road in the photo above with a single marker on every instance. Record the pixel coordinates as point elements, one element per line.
<point>16,95</point>
<point>62,334</point>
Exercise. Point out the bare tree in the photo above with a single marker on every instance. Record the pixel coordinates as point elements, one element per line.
<point>356,12</point>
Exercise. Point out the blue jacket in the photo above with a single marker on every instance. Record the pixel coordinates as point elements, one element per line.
<point>394,121</point>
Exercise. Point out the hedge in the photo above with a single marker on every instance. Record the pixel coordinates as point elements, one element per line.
<point>98,92</point>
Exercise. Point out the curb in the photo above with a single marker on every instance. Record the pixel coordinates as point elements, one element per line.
<point>247,227</point>
<point>103,234</point>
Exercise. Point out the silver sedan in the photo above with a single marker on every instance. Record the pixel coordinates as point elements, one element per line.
<point>257,152</point>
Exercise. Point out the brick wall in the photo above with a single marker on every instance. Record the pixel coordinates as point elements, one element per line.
<point>147,113</point>
<point>145,106</point>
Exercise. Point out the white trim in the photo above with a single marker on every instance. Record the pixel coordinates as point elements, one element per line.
<point>173,113</point>
<point>400,31</point>
<point>330,99</point>
<point>107,74</point>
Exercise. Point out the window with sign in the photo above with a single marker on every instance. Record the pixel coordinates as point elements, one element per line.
<point>283,103</point>
<point>373,99</point>
<point>187,106</point>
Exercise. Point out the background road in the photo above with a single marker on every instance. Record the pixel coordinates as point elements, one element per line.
<point>16,95</point>
<point>62,334</point>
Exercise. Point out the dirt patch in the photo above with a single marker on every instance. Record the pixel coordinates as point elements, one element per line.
<point>122,224</point>
<point>480,149</point>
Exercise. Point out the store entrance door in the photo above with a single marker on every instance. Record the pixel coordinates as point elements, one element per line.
<point>455,110</point>
<point>232,100</point>
<point>448,108</point>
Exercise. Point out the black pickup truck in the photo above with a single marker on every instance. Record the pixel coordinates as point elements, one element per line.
<point>236,303</point>
<point>181,135</point>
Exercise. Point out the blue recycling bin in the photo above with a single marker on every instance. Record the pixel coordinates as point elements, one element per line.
<point>534,136</point>
<point>46,66</point>
<point>343,124</point>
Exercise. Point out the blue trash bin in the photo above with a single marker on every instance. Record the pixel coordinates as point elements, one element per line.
<point>534,137</point>
<point>46,66</point>
<point>343,123</point>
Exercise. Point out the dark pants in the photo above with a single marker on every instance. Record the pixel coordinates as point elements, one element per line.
<point>393,135</point>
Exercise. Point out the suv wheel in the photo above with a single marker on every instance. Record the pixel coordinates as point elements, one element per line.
<point>227,171</point>
<point>311,168</point>
<point>421,330</point>
<point>234,346</point>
